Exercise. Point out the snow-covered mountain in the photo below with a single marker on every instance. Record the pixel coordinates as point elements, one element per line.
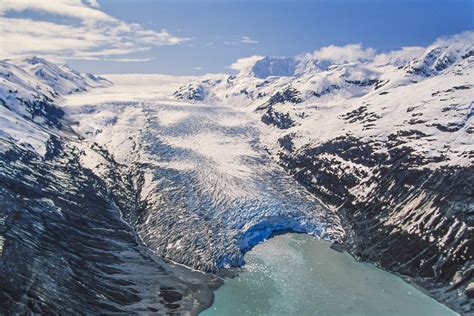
<point>28,90</point>
<point>387,141</point>
<point>272,67</point>
<point>111,187</point>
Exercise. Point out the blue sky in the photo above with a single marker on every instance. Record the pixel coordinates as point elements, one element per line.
<point>207,36</point>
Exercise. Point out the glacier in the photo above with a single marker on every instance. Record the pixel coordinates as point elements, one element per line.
<point>204,169</point>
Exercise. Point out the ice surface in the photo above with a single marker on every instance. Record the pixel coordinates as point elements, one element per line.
<point>210,188</point>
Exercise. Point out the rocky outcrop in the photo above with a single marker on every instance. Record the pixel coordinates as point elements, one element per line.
<point>191,92</point>
<point>278,119</point>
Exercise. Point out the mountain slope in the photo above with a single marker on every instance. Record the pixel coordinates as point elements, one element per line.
<point>65,244</point>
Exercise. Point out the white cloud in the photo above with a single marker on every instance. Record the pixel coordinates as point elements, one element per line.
<point>347,53</point>
<point>248,40</point>
<point>243,40</point>
<point>91,33</point>
<point>466,36</point>
<point>67,8</point>
<point>401,56</point>
<point>245,63</point>
<point>129,60</point>
<point>92,3</point>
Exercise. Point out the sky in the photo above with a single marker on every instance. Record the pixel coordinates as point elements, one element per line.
<point>193,37</point>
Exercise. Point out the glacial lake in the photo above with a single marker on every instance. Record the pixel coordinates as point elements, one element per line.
<point>296,274</point>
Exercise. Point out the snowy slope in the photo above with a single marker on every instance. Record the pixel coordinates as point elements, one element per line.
<point>61,78</point>
<point>28,90</point>
<point>430,95</point>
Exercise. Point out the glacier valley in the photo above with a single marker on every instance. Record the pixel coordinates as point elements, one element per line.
<point>137,193</point>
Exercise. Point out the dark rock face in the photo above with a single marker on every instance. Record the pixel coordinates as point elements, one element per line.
<point>290,95</point>
<point>438,250</point>
<point>364,83</point>
<point>191,92</point>
<point>50,113</point>
<point>399,214</point>
<point>43,108</point>
<point>286,142</point>
<point>318,174</point>
<point>278,119</point>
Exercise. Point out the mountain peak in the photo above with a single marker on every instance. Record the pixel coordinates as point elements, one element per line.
<point>274,67</point>
<point>442,54</point>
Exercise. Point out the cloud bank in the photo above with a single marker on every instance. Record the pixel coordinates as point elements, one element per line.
<point>347,53</point>
<point>245,63</point>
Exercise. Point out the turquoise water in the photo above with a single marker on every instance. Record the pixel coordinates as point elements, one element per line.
<point>295,274</point>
